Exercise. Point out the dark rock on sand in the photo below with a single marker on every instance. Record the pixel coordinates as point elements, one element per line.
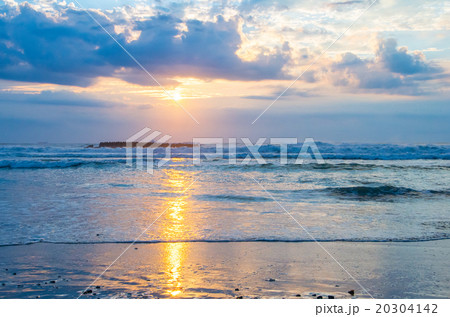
<point>239,297</point>
<point>97,286</point>
<point>52,282</point>
<point>313,295</point>
<point>352,292</point>
<point>3,284</point>
<point>14,273</point>
<point>319,297</point>
<point>330,297</point>
<point>271,280</point>
<point>298,295</point>
<point>236,289</point>
<point>89,291</point>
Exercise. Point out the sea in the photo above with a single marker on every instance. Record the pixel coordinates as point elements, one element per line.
<point>71,193</point>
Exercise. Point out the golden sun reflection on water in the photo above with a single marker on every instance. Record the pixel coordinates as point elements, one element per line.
<point>175,255</point>
<point>175,229</point>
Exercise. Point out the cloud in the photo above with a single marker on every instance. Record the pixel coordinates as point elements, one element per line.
<point>393,70</point>
<point>401,62</point>
<point>290,92</point>
<point>71,49</point>
<point>345,5</point>
<point>55,98</point>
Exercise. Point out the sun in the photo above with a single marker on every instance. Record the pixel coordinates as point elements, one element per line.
<point>177,96</point>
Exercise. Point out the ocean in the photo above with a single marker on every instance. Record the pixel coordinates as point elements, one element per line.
<point>67,193</point>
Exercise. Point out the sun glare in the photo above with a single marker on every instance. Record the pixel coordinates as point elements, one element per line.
<point>177,96</point>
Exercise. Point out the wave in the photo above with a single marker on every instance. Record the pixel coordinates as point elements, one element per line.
<point>236,198</point>
<point>436,237</point>
<point>328,151</point>
<point>43,164</point>
<point>382,192</point>
<point>338,166</point>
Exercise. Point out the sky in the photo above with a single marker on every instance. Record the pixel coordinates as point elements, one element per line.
<point>357,71</point>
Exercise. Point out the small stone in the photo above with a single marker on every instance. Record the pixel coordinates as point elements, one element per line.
<point>97,286</point>
<point>14,273</point>
<point>6,269</point>
<point>59,276</point>
<point>89,291</point>
<point>38,296</point>
<point>330,297</point>
<point>135,248</point>
<point>271,280</point>
<point>3,284</point>
<point>298,295</point>
<point>52,282</point>
<point>337,285</point>
<point>38,284</point>
<point>19,285</point>
<point>239,297</point>
<point>319,297</point>
<point>98,234</point>
<point>313,295</point>
<point>352,292</point>
<point>236,289</point>
<point>94,294</point>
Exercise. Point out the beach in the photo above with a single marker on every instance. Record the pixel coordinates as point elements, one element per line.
<point>218,230</point>
<point>227,270</point>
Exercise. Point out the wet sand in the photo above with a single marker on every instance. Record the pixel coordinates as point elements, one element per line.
<point>227,270</point>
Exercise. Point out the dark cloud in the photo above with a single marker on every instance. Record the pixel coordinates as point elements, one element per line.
<point>401,62</point>
<point>393,70</point>
<point>345,5</point>
<point>74,50</point>
<point>55,98</point>
<point>277,93</point>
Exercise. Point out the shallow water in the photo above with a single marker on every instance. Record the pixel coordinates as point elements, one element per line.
<point>226,270</point>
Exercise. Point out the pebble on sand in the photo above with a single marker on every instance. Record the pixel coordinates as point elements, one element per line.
<point>89,291</point>
<point>298,295</point>
<point>352,292</point>
<point>236,289</point>
<point>330,297</point>
<point>97,286</point>
<point>271,280</point>
<point>319,297</point>
<point>239,297</point>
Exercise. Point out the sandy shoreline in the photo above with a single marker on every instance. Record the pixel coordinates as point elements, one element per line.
<point>227,270</point>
